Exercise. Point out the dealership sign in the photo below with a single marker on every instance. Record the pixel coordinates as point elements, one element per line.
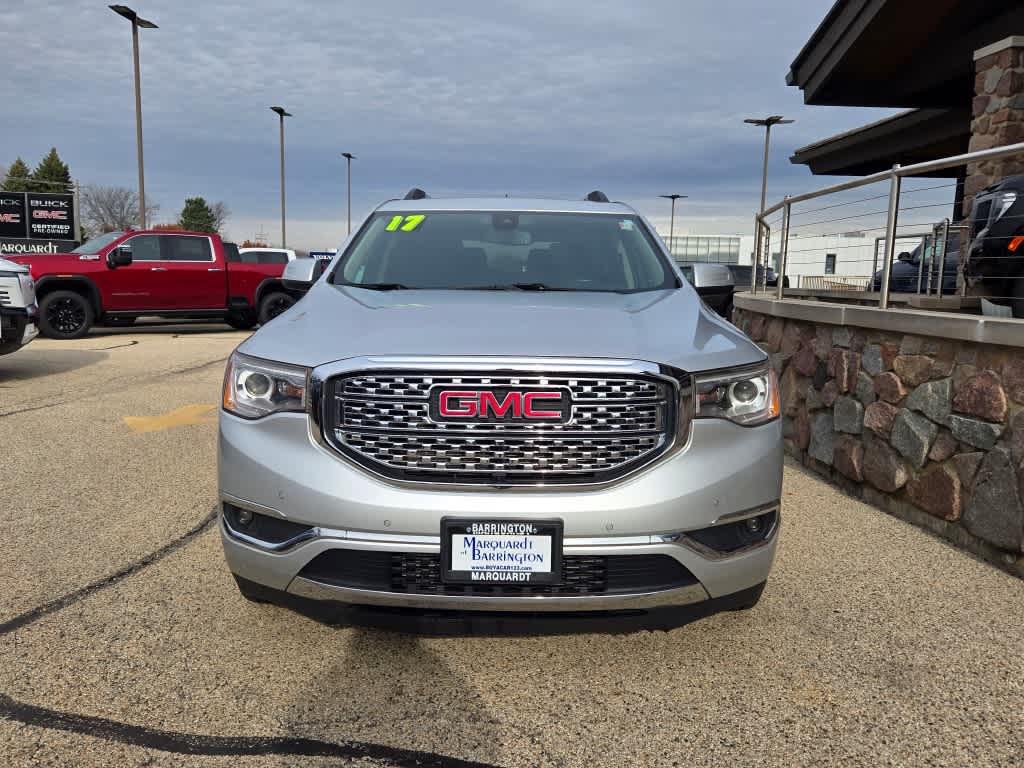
<point>33,222</point>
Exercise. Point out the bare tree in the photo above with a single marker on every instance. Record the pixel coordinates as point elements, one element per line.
<point>106,209</point>
<point>221,212</point>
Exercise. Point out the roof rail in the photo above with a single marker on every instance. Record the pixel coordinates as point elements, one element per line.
<point>415,194</point>
<point>597,197</point>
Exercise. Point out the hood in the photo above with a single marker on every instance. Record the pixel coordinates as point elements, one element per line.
<point>10,266</point>
<point>54,261</point>
<point>670,327</point>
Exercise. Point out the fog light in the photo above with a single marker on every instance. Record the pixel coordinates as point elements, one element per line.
<point>733,537</point>
<point>244,516</point>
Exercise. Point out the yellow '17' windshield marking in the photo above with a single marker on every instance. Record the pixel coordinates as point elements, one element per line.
<point>407,223</point>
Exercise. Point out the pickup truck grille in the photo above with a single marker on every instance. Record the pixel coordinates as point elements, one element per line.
<point>5,298</point>
<point>388,422</point>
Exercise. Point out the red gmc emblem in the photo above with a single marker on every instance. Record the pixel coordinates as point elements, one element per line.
<point>499,404</point>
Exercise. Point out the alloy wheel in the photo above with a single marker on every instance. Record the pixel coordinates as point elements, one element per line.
<point>66,315</point>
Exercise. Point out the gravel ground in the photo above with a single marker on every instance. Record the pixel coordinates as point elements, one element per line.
<point>875,644</point>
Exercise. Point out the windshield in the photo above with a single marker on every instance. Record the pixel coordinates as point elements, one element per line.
<point>525,251</point>
<point>97,243</point>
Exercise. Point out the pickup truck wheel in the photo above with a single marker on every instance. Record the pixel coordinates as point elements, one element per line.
<point>65,315</point>
<point>273,304</point>
<point>241,321</point>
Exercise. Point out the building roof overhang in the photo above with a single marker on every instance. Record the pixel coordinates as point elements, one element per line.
<point>908,137</point>
<point>900,53</point>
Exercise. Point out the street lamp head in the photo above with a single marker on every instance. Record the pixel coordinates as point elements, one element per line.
<point>767,121</point>
<point>281,111</point>
<point>348,155</point>
<point>132,16</point>
<point>673,197</point>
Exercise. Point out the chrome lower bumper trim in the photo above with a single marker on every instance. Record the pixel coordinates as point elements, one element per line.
<point>316,590</point>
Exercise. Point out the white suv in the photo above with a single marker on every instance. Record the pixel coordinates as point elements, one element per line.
<point>18,311</point>
<point>267,255</point>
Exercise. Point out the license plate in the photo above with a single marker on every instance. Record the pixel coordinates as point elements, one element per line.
<point>501,551</point>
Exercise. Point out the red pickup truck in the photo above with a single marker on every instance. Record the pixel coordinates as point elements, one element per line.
<point>117,277</point>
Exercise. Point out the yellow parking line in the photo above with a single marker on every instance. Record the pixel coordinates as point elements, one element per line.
<point>197,413</point>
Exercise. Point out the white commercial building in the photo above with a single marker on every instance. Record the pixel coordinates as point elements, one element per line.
<point>812,259</point>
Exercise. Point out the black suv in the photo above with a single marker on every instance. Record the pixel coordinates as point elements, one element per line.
<point>907,269</point>
<point>997,240</point>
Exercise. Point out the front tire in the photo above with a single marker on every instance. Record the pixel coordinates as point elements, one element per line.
<point>241,321</point>
<point>65,315</point>
<point>273,304</point>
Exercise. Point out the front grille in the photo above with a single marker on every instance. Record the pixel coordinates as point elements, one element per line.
<point>405,416</point>
<point>5,298</point>
<point>383,420</point>
<point>420,574</point>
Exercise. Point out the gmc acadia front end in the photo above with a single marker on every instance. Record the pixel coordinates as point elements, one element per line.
<point>501,405</point>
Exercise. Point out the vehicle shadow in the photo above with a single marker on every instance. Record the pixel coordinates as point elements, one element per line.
<point>422,623</point>
<point>176,328</point>
<point>29,363</point>
<point>377,675</point>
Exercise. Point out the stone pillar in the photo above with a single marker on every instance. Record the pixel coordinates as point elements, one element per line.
<point>998,113</point>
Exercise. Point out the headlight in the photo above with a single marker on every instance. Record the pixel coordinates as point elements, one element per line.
<point>748,396</point>
<point>254,387</point>
<point>1004,203</point>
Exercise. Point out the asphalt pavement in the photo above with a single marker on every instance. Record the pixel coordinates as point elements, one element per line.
<point>123,641</point>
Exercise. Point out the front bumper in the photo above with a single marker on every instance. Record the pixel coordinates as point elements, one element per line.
<point>274,466</point>
<point>18,326</point>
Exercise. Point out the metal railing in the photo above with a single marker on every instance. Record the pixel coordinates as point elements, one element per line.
<point>764,227</point>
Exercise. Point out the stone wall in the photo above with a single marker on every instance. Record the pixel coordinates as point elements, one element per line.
<point>928,429</point>
<point>997,113</point>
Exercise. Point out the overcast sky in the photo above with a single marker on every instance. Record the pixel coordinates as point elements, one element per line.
<point>553,98</point>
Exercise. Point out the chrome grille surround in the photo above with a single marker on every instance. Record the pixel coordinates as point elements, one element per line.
<point>374,411</point>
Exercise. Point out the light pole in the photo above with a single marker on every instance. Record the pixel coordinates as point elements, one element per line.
<point>349,157</point>
<point>137,21</point>
<point>767,123</point>
<point>282,114</point>
<point>672,221</point>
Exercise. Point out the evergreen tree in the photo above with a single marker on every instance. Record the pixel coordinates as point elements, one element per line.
<point>197,216</point>
<point>18,177</point>
<point>51,175</point>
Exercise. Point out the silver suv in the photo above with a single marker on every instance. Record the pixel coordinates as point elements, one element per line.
<point>500,405</point>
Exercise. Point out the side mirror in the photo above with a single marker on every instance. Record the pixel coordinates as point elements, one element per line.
<point>300,274</point>
<point>905,256</point>
<point>120,256</point>
<point>712,276</point>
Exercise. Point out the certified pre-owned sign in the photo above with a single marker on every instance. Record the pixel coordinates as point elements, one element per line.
<point>33,217</point>
<point>51,216</point>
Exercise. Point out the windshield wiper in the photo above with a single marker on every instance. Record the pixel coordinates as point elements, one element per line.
<point>379,286</point>
<point>512,287</point>
<point>536,287</point>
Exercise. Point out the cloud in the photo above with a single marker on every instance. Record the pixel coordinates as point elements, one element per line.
<point>544,98</point>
